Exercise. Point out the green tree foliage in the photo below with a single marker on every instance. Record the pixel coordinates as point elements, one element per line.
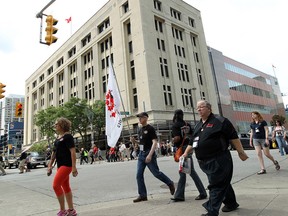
<point>280,118</point>
<point>81,115</point>
<point>40,147</point>
<point>45,120</point>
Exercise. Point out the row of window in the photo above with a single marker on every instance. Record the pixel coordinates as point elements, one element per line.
<point>246,73</point>
<point>237,86</point>
<point>174,13</point>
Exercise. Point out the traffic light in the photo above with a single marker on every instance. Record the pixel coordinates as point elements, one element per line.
<point>18,110</point>
<point>50,30</point>
<point>2,86</point>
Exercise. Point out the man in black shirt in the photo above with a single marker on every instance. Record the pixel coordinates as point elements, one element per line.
<point>210,142</point>
<point>147,157</point>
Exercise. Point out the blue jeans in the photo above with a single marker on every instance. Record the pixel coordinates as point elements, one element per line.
<point>179,194</point>
<point>282,144</point>
<point>154,169</point>
<point>219,171</point>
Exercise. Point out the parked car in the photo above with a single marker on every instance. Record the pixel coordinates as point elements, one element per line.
<point>34,159</point>
<point>12,161</point>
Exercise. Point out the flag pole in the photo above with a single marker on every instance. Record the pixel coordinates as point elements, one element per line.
<point>120,96</point>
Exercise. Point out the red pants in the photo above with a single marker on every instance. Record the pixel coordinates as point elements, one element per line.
<point>61,181</point>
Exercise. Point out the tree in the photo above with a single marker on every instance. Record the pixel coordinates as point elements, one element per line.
<point>99,119</point>
<point>45,120</point>
<point>280,118</point>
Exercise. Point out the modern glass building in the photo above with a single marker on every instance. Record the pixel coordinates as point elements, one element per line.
<point>241,89</point>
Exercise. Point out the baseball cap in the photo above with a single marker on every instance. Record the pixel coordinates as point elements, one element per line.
<point>142,114</point>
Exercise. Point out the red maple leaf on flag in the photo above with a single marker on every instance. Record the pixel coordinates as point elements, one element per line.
<point>110,103</point>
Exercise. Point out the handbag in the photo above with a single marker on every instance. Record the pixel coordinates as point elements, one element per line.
<point>179,151</point>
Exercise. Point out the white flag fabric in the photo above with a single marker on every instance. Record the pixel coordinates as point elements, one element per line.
<point>113,116</point>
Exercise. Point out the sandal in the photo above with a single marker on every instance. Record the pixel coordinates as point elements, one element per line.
<point>277,166</point>
<point>262,171</point>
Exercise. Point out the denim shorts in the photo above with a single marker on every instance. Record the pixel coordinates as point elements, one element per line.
<point>260,142</point>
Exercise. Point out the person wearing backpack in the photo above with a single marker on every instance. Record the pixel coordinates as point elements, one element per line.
<point>181,131</point>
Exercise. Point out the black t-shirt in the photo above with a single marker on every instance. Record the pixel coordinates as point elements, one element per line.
<point>145,135</point>
<point>23,156</point>
<point>258,129</point>
<point>214,135</point>
<point>177,131</point>
<point>62,148</point>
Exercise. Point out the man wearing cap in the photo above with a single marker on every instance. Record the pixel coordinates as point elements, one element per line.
<point>147,140</point>
<point>180,135</point>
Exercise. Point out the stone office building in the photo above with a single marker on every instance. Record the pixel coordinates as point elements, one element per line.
<point>159,55</point>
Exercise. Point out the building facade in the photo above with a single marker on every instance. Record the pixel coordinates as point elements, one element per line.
<point>9,117</point>
<point>242,89</point>
<point>159,55</point>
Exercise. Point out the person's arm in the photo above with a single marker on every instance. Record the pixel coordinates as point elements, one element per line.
<point>51,162</point>
<point>73,158</point>
<point>188,150</point>
<point>251,137</point>
<point>152,150</point>
<point>239,148</point>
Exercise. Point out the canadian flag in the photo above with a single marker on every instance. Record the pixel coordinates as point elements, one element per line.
<point>113,116</point>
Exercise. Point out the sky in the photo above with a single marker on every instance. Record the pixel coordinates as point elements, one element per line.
<point>253,32</point>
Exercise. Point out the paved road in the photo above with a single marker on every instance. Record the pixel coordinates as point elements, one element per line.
<point>109,188</point>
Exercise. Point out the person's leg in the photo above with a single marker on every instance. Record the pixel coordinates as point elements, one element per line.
<point>197,181</point>
<point>180,191</point>
<point>60,186</point>
<point>219,172</point>
<point>260,156</point>
<point>280,145</point>
<point>2,169</point>
<point>268,155</point>
<point>154,169</point>
<point>141,165</point>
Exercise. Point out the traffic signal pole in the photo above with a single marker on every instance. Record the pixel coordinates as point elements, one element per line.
<point>40,15</point>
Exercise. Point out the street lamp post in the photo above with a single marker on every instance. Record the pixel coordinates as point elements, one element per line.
<point>90,116</point>
<point>192,105</point>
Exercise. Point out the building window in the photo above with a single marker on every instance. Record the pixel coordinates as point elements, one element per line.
<point>158,25</point>
<point>191,22</point>
<point>130,47</point>
<point>72,52</point>
<point>164,67</point>
<point>135,98</point>
<point>167,95</point>
<point>200,79</point>
<point>50,71</point>
<point>161,44</point>
<point>89,91</point>
<point>175,14</point>
<point>60,62</point>
<point>129,28</point>
<point>34,84</point>
<point>132,67</point>
<point>157,5</point>
<point>104,25</point>
<point>125,7</point>
<point>196,58</point>
<point>41,78</point>
<point>86,40</point>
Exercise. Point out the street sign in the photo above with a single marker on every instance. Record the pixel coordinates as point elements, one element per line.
<point>124,113</point>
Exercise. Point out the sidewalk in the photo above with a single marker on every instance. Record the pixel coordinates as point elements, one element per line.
<point>264,195</point>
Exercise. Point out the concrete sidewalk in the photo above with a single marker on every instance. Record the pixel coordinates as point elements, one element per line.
<point>264,195</point>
